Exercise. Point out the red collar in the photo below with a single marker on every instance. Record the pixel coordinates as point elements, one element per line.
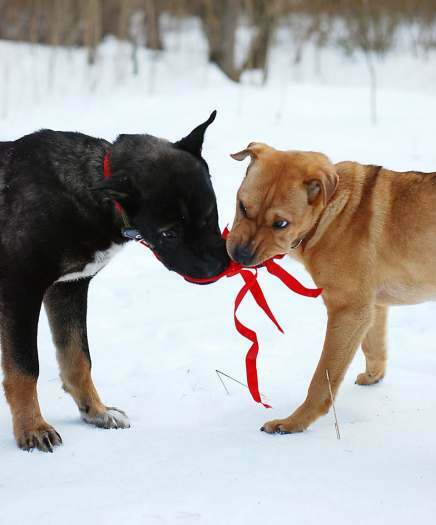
<point>127,231</point>
<point>107,174</point>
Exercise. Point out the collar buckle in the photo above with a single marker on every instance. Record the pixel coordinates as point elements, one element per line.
<point>131,234</point>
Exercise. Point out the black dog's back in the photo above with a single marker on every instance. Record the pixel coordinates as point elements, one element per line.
<point>4,148</point>
<point>47,205</point>
<point>64,155</point>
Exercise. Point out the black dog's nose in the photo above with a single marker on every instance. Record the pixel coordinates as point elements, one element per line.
<point>243,255</point>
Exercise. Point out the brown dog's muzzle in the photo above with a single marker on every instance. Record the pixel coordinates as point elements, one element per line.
<point>242,254</point>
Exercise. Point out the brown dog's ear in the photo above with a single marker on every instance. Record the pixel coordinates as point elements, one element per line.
<point>253,149</point>
<point>241,155</point>
<point>324,183</point>
<point>313,188</point>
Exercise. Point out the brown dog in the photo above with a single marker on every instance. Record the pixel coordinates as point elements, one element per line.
<point>366,235</point>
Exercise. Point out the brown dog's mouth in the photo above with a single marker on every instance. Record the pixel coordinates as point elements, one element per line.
<point>242,253</point>
<point>254,262</point>
<point>249,265</point>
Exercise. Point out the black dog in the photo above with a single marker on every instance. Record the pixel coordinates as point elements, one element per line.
<point>59,227</point>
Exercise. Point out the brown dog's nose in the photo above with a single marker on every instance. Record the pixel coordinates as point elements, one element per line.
<point>243,255</point>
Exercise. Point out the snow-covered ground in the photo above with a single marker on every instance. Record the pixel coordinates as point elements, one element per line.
<point>194,454</point>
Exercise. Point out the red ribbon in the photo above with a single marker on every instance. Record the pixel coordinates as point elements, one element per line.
<point>249,275</point>
<point>251,284</point>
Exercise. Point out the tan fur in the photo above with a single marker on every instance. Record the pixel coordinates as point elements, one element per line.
<point>75,372</point>
<point>368,239</point>
<point>30,428</point>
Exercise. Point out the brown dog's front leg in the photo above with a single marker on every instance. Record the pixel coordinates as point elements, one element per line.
<point>346,328</point>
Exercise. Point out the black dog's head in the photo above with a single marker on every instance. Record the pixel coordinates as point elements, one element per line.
<point>167,193</point>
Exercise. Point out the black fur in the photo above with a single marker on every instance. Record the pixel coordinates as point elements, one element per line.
<point>57,211</point>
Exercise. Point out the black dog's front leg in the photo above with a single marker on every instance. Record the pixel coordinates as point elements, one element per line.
<point>20,308</point>
<point>66,306</point>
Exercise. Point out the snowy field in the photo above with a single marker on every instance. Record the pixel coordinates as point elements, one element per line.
<point>194,455</point>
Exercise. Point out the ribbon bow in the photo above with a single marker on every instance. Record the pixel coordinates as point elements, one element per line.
<point>249,275</point>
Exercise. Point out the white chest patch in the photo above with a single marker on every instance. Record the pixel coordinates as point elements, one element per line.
<point>98,262</point>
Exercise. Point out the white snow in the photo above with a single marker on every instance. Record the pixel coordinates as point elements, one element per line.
<point>194,454</point>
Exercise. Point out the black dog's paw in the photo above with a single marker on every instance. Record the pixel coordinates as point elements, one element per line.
<point>111,417</point>
<point>44,439</point>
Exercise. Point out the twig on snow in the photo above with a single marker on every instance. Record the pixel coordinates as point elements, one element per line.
<point>220,373</point>
<point>338,433</point>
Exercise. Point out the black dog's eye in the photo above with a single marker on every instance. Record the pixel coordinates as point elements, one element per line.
<point>243,209</point>
<point>169,234</point>
<point>279,225</point>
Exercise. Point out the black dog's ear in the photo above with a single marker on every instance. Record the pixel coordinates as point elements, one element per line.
<point>193,142</point>
<point>113,188</point>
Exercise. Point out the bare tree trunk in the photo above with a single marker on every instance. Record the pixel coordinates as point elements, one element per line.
<point>257,55</point>
<point>36,9</point>
<point>93,28</point>
<point>124,18</point>
<point>55,35</point>
<point>56,22</point>
<point>34,30</point>
<point>220,24</point>
<point>264,18</point>
<point>373,87</point>
<point>366,47</point>
<point>152,27</point>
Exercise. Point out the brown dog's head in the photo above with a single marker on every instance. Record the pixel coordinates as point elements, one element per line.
<point>279,201</point>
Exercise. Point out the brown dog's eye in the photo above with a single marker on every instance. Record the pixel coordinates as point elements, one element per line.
<point>243,209</point>
<point>279,225</point>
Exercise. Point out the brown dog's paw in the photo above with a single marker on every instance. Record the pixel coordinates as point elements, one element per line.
<point>109,418</point>
<point>44,438</point>
<point>367,379</point>
<point>283,426</point>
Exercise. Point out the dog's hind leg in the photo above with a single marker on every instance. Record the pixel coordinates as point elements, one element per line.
<point>66,306</point>
<point>19,324</point>
<point>374,348</point>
